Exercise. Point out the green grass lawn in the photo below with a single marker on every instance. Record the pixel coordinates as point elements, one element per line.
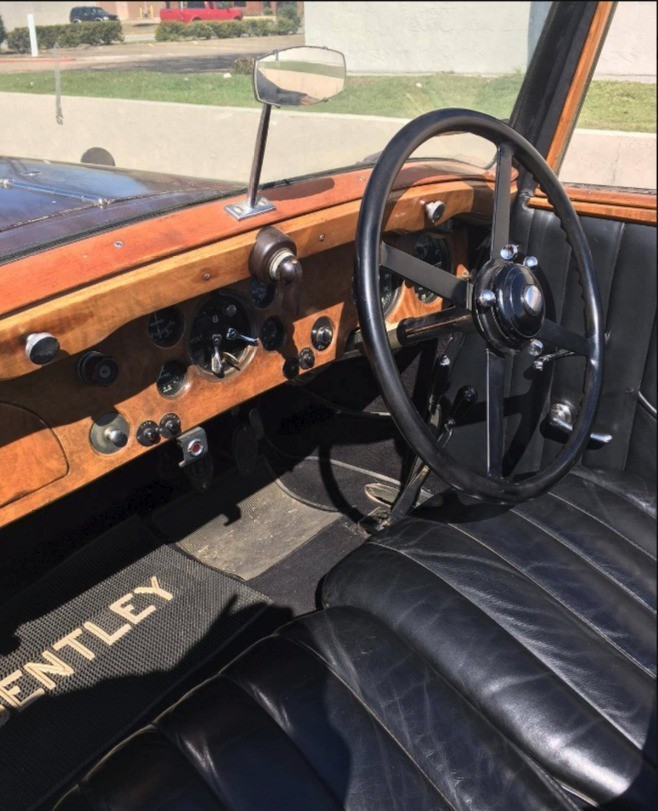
<point>629,106</point>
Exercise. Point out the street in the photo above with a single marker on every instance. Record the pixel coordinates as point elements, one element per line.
<point>204,56</point>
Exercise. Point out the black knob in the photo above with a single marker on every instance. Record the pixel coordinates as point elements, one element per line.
<point>291,368</point>
<point>148,434</point>
<point>41,348</point>
<point>95,367</point>
<point>170,426</point>
<point>306,358</point>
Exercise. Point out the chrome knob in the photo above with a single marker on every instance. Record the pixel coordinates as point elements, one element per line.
<point>41,348</point>
<point>116,437</point>
<point>509,252</point>
<point>487,298</point>
<point>533,299</point>
<point>531,262</point>
<point>535,348</point>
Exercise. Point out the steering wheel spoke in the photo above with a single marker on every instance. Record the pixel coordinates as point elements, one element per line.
<point>495,413</point>
<point>502,203</point>
<point>439,281</point>
<point>564,338</point>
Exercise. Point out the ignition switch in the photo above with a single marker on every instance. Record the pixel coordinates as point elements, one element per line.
<point>274,259</point>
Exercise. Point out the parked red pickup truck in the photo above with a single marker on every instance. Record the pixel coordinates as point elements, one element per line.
<point>194,11</point>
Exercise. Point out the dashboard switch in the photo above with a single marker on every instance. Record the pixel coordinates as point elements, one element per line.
<point>97,368</point>
<point>306,358</point>
<point>170,426</point>
<point>41,348</point>
<point>322,333</point>
<point>148,434</point>
<point>194,444</point>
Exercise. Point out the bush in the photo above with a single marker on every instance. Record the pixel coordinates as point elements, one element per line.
<point>170,32</point>
<point>3,33</point>
<point>66,36</point>
<point>244,66</point>
<point>267,11</point>
<point>173,31</point>
<point>288,11</point>
<point>199,30</point>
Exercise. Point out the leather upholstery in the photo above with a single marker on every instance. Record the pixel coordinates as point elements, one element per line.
<point>543,616</point>
<point>334,711</point>
<point>625,260</point>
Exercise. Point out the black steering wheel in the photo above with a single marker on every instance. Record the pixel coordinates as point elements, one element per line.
<point>504,299</point>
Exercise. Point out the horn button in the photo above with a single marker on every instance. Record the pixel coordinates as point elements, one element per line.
<point>514,314</point>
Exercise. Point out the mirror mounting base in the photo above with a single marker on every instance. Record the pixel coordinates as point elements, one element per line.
<point>243,210</point>
<point>255,205</point>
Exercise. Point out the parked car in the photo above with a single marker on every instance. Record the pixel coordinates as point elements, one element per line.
<point>90,14</point>
<point>335,491</point>
<point>198,11</point>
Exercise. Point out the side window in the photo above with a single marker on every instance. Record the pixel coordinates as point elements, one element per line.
<point>614,143</point>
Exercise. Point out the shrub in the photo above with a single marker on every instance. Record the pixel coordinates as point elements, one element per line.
<point>199,30</point>
<point>288,11</point>
<point>228,29</point>
<point>257,28</point>
<point>66,36</point>
<point>169,32</point>
<point>3,33</point>
<point>267,11</point>
<point>284,26</point>
<point>244,66</point>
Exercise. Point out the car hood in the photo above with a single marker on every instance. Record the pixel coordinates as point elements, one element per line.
<point>43,203</point>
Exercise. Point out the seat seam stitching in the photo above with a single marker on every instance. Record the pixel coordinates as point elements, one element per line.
<point>615,492</point>
<point>231,679</point>
<point>527,649</point>
<point>555,597</point>
<point>587,560</point>
<point>603,524</point>
<point>188,759</point>
<point>369,712</point>
<point>375,718</point>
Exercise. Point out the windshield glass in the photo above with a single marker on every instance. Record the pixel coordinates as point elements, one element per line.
<point>167,87</point>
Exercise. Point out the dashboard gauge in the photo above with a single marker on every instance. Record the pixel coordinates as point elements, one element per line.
<point>435,252</point>
<point>389,288</point>
<point>261,294</point>
<point>272,334</point>
<point>171,378</point>
<point>220,336</point>
<point>424,295</point>
<point>166,327</point>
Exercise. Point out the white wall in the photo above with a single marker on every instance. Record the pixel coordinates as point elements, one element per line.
<point>629,51</point>
<point>427,37</point>
<point>14,15</point>
<point>126,128</point>
<point>466,37</point>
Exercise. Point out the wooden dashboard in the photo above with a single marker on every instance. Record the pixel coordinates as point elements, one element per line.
<point>47,414</point>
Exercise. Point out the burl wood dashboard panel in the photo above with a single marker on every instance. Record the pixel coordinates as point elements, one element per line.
<point>112,315</point>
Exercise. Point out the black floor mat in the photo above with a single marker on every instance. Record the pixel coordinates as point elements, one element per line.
<point>136,618</point>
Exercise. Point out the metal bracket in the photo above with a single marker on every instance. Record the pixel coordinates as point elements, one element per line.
<point>194,445</point>
<point>561,417</point>
<point>243,210</point>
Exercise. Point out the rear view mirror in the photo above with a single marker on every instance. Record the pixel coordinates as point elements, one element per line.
<point>299,76</point>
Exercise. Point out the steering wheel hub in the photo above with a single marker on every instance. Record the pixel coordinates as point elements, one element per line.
<point>516,312</point>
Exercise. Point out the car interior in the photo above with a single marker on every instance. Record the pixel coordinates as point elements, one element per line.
<point>338,492</point>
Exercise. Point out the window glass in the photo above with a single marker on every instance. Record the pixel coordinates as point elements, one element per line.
<point>614,143</point>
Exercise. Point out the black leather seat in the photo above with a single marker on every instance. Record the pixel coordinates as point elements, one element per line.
<point>335,711</point>
<point>543,616</point>
<point>463,656</point>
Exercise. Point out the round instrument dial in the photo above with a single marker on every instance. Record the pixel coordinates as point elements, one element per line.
<point>435,252</point>
<point>172,378</point>
<point>165,327</point>
<point>389,289</point>
<point>261,294</point>
<point>220,336</point>
<point>272,334</point>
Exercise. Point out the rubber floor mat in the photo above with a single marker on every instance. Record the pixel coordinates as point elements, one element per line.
<point>87,650</point>
<point>242,526</point>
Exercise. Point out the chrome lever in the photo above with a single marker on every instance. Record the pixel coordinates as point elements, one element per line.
<point>233,335</point>
<point>561,417</point>
<point>541,361</point>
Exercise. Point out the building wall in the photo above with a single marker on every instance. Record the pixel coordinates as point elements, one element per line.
<point>439,37</point>
<point>14,15</point>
